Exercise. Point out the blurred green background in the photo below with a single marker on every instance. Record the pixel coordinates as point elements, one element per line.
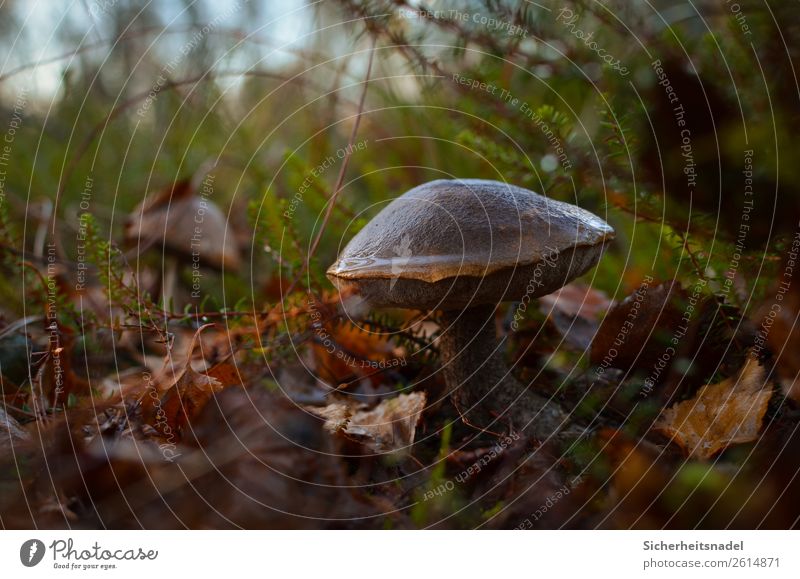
<point>133,96</point>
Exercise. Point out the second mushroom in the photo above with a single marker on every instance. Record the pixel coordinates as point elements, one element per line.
<point>462,247</point>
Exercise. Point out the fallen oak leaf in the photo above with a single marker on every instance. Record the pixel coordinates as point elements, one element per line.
<point>730,412</point>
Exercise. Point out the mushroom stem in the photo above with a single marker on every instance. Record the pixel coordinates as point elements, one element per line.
<point>480,382</point>
<point>169,281</point>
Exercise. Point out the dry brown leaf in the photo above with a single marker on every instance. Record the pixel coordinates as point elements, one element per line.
<point>729,412</point>
<point>180,395</point>
<point>187,396</point>
<point>226,373</point>
<point>387,427</point>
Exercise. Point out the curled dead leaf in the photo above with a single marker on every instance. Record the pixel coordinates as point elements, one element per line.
<point>388,427</point>
<point>176,397</point>
<point>183,400</point>
<point>336,416</point>
<point>226,373</point>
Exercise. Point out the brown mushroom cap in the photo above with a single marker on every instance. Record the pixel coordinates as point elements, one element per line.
<point>186,227</point>
<point>451,244</point>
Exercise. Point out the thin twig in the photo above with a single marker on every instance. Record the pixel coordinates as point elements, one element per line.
<point>698,268</point>
<point>342,169</point>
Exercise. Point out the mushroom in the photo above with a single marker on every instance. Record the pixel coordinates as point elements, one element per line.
<point>189,227</point>
<point>462,247</point>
